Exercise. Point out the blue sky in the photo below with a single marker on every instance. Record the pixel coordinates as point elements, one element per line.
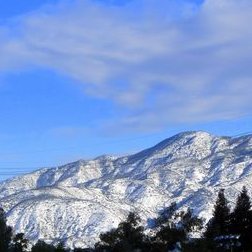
<point>82,78</point>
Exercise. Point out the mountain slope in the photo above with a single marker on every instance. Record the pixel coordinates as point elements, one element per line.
<point>78,201</point>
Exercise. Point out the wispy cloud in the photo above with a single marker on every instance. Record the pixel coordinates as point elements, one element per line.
<point>162,61</point>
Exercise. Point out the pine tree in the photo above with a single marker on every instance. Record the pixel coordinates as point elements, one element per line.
<point>166,215</point>
<point>5,232</point>
<point>60,248</point>
<point>20,243</point>
<point>84,250</point>
<point>220,223</point>
<point>241,218</point>
<point>174,228</point>
<point>41,246</point>
<point>126,238</point>
<point>190,222</point>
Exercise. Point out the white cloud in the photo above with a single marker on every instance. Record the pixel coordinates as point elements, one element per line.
<point>178,62</point>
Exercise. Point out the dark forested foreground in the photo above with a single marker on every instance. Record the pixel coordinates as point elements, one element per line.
<point>173,230</point>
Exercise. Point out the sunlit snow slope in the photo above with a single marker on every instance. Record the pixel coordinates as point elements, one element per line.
<point>76,202</point>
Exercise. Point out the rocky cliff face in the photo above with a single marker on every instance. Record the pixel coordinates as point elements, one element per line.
<point>78,201</point>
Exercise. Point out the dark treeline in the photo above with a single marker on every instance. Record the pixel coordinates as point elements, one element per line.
<point>172,230</point>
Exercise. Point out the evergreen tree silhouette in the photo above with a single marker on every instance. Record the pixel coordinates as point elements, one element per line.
<point>5,233</point>
<point>84,250</point>
<point>241,219</point>
<point>41,246</point>
<point>174,228</point>
<point>220,222</point>
<point>166,215</point>
<point>20,243</point>
<point>60,247</point>
<point>127,237</point>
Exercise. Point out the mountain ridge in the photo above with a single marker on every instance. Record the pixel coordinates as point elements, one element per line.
<point>84,198</point>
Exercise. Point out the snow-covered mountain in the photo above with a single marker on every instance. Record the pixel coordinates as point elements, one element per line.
<point>78,201</point>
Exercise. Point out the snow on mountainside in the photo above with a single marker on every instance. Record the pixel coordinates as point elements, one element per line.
<point>78,201</point>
